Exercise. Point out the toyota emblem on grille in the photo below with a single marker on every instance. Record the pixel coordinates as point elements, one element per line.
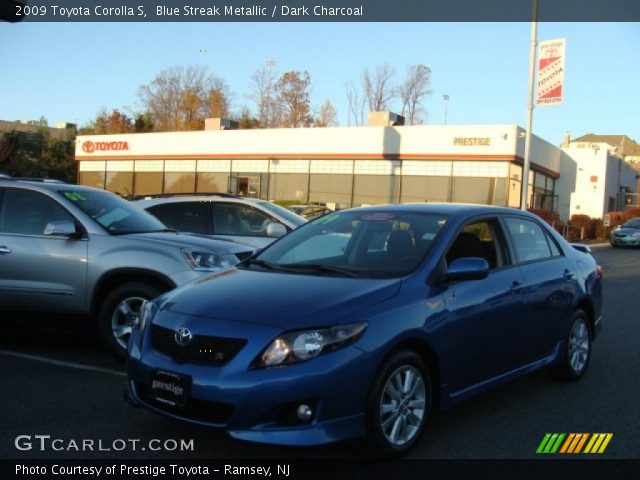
<point>183,336</point>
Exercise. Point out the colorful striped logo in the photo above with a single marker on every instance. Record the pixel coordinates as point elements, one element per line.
<point>574,443</point>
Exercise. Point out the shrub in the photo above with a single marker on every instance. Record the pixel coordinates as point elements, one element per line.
<point>580,220</point>
<point>548,216</point>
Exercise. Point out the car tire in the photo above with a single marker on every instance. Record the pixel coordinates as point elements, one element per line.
<point>118,314</point>
<point>394,418</point>
<point>577,349</point>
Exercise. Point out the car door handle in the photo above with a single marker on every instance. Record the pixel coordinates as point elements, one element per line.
<point>568,275</point>
<point>4,250</point>
<point>516,286</point>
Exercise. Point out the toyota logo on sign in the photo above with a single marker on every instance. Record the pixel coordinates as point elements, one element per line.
<point>183,336</point>
<point>89,147</point>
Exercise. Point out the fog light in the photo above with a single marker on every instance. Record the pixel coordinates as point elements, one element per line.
<point>304,412</point>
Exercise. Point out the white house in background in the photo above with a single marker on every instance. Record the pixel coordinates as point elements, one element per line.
<point>602,180</point>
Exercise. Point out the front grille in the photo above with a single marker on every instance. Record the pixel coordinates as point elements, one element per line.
<point>621,235</point>
<point>203,350</point>
<point>242,256</point>
<point>200,410</point>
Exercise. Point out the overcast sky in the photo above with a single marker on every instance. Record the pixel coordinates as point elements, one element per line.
<point>68,72</point>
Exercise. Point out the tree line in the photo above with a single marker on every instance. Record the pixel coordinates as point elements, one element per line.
<point>181,98</point>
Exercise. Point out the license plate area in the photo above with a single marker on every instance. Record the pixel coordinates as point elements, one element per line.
<point>170,388</point>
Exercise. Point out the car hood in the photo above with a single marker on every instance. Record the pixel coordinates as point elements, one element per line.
<point>180,239</point>
<point>627,231</point>
<point>284,300</point>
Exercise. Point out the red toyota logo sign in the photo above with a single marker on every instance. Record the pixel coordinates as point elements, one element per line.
<point>90,147</point>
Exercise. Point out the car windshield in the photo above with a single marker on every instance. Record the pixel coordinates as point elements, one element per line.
<point>115,214</point>
<point>634,223</point>
<point>357,243</point>
<point>283,212</point>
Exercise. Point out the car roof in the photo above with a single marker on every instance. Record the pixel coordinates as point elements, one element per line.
<point>44,184</point>
<point>448,209</point>
<point>150,201</point>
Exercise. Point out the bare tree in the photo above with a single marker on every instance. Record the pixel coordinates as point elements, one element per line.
<point>180,98</point>
<point>378,87</point>
<point>327,116</point>
<point>356,102</point>
<point>293,95</point>
<point>263,94</point>
<point>218,99</point>
<point>412,91</point>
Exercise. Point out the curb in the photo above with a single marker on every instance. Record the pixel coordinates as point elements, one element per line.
<point>599,245</point>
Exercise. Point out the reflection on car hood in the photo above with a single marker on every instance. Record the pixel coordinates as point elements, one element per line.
<point>194,241</point>
<point>288,301</point>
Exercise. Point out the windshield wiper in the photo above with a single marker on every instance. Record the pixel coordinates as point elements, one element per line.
<point>260,263</point>
<point>318,267</point>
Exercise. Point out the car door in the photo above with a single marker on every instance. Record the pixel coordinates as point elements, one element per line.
<point>38,271</point>
<point>550,284</point>
<point>242,223</point>
<point>483,316</point>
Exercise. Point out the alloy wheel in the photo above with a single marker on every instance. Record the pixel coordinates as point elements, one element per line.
<point>578,345</point>
<point>124,318</point>
<point>402,405</point>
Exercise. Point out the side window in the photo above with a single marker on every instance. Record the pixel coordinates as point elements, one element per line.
<point>555,250</point>
<point>183,216</point>
<point>241,220</point>
<point>529,240</point>
<point>480,239</point>
<point>28,213</point>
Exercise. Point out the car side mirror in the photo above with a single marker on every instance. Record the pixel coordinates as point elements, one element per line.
<point>61,228</point>
<point>467,268</point>
<point>276,230</point>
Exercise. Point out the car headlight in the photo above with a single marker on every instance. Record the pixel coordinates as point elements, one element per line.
<point>295,347</point>
<point>205,261</point>
<point>636,234</point>
<point>147,312</point>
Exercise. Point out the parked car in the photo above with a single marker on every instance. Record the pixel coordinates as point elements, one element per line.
<point>359,322</point>
<point>309,211</point>
<point>79,250</point>
<point>627,234</point>
<point>247,220</point>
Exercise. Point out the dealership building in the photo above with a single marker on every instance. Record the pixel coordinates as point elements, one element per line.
<point>338,166</point>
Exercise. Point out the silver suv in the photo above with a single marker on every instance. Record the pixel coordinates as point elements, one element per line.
<point>79,250</point>
<point>247,220</point>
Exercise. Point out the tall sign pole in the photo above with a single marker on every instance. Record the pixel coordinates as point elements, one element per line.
<point>524,198</point>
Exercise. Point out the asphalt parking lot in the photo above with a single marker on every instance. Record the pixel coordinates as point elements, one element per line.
<point>57,382</point>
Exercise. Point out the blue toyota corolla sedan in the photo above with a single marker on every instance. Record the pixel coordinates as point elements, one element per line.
<point>360,322</point>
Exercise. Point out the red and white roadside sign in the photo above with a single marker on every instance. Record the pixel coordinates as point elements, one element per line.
<point>551,72</point>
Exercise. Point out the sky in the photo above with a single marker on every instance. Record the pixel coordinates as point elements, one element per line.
<point>70,71</point>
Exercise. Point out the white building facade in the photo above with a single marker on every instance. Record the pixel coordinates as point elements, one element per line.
<point>345,166</point>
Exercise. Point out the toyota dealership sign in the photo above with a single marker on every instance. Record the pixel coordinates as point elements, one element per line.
<point>551,72</point>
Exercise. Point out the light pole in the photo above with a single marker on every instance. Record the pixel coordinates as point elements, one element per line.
<point>445,97</point>
<point>524,197</point>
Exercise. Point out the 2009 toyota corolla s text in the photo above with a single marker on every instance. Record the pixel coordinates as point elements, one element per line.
<point>359,322</point>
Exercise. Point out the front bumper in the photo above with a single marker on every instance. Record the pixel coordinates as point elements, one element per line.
<point>256,404</point>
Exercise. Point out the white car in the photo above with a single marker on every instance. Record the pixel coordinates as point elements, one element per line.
<point>247,220</point>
